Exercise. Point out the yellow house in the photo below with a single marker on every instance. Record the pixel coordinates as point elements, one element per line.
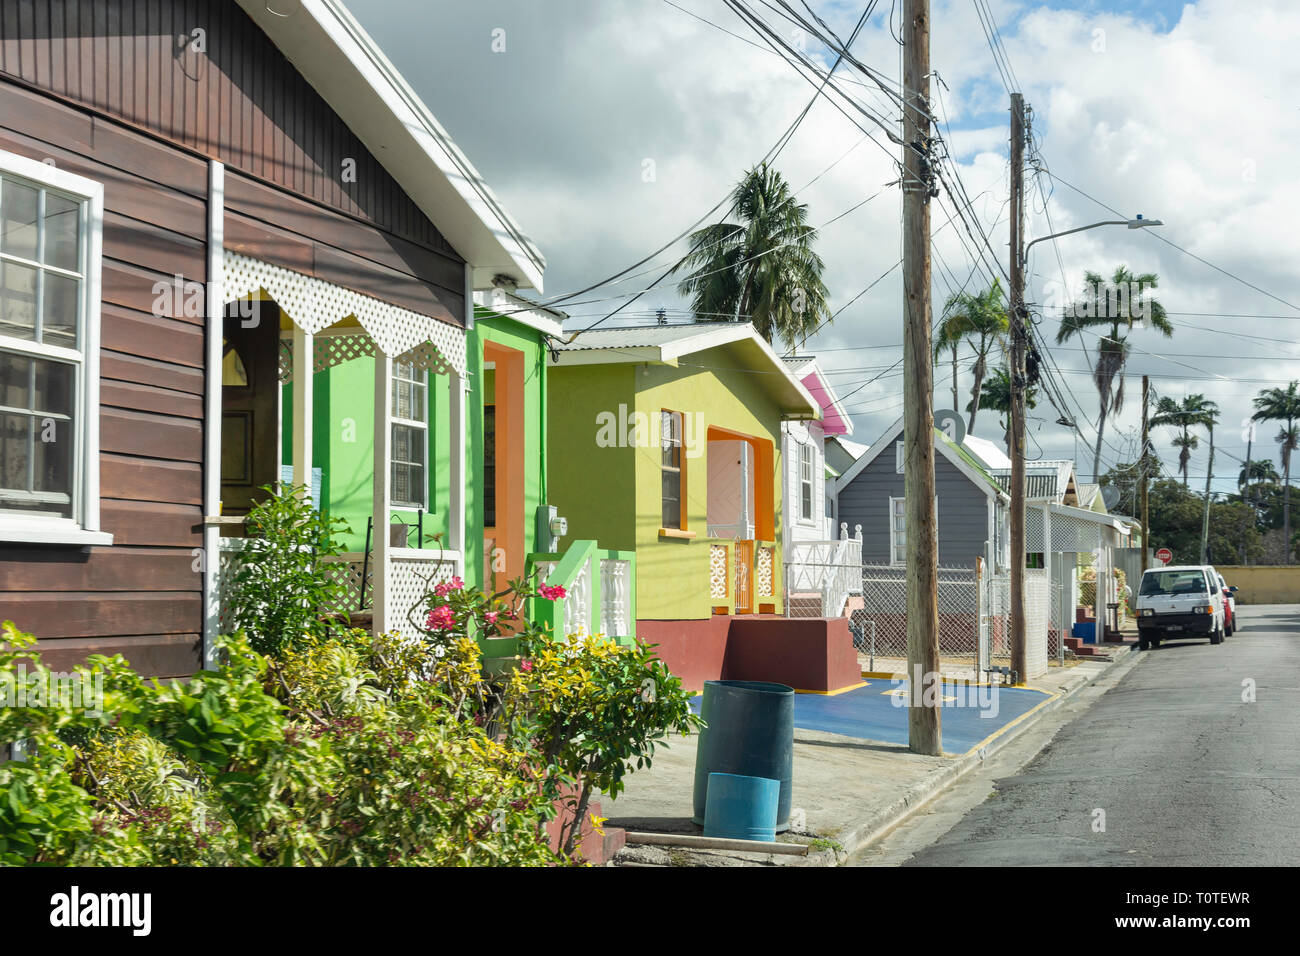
<point>666,440</point>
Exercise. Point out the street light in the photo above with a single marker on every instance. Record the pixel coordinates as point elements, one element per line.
<point>1019,338</point>
<point>1138,223</point>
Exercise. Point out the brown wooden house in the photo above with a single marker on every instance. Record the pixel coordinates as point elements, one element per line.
<point>172,174</point>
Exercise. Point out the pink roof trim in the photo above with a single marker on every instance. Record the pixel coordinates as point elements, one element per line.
<point>832,422</point>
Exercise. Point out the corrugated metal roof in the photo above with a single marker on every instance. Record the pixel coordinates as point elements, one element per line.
<point>641,336</point>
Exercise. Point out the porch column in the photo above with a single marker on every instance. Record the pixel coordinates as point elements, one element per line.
<point>1099,592</point>
<point>1052,622</point>
<point>382,505</point>
<point>459,388</point>
<point>303,362</point>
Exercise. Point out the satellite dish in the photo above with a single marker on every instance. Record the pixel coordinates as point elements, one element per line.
<point>1109,496</point>
<point>951,424</point>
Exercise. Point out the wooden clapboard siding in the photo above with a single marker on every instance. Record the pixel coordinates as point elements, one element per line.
<point>89,614</point>
<point>38,568</point>
<point>239,101</point>
<point>143,595</point>
<point>161,655</point>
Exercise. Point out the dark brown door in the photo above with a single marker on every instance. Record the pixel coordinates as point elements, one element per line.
<point>249,385</point>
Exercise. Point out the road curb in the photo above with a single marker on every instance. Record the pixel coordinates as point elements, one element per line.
<point>862,834</point>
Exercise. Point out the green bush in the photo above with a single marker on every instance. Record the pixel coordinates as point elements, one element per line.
<point>281,586</point>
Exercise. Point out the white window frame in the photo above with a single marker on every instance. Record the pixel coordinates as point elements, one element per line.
<point>900,457</point>
<point>893,559</point>
<point>806,457</point>
<point>394,421</point>
<point>83,527</point>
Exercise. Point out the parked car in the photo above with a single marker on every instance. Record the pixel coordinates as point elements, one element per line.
<point>1231,624</point>
<point>1179,602</point>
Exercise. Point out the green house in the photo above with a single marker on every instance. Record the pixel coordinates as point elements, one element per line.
<point>666,441</point>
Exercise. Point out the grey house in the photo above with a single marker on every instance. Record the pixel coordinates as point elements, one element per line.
<point>971,504</point>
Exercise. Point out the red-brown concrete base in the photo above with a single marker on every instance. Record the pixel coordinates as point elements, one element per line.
<point>594,848</point>
<point>805,653</point>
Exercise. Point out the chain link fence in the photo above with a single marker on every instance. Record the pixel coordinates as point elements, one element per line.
<point>879,626</point>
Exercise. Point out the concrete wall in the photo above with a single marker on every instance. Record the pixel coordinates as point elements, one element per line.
<point>1263,584</point>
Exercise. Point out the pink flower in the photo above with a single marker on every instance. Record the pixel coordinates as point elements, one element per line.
<point>490,617</point>
<point>441,618</point>
<point>526,666</point>
<point>551,593</point>
<point>442,590</point>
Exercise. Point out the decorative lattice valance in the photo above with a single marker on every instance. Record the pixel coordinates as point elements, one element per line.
<point>335,348</point>
<point>314,304</point>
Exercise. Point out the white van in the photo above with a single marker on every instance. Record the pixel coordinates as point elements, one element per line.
<point>1179,602</point>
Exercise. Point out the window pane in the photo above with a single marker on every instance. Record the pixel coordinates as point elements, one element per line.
<point>52,445</point>
<point>59,321</point>
<point>55,384</point>
<point>18,220</point>
<point>62,230</point>
<point>417,403</point>
<point>401,443</point>
<point>17,300</point>
<point>807,501</point>
<point>15,442</point>
<point>672,502</point>
<point>15,380</point>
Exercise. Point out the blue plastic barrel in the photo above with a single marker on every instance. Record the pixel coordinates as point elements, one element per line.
<point>741,808</point>
<point>749,732</point>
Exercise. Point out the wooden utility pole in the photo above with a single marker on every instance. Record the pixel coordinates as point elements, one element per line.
<point>1019,341</point>
<point>923,732</point>
<point>1144,462</point>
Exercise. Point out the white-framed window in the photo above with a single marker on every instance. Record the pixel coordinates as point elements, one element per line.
<point>51,225</point>
<point>410,451</point>
<point>806,482</point>
<point>898,529</point>
<point>900,457</point>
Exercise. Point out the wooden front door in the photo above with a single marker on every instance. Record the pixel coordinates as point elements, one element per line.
<point>249,403</point>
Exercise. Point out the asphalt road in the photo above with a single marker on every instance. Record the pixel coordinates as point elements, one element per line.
<point>1183,771</point>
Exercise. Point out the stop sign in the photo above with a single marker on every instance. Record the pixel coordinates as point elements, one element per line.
<point>1164,555</point>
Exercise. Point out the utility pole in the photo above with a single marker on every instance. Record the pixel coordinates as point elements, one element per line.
<point>1144,463</point>
<point>1019,340</point>
<point>1205,517</point>
<point>923,732</point>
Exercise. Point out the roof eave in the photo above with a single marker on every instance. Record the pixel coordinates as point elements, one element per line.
<point>349,71</point>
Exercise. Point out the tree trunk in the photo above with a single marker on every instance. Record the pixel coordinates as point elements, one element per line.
<point>955,406</point>
<point>1096,455</point>
<point>980,368</point>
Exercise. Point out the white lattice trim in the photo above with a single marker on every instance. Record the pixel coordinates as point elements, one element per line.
<point>314,304</point>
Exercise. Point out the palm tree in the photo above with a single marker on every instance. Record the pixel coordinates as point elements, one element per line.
<point>758,266</point>
<point>981,320</point>
<point>1114,310</point>
<point>1282,405</point>
<point>1257,470</point>
<point>996,396</point>
<point>1185,415</point>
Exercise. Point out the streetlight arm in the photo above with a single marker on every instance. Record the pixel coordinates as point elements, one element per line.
<point>1058,235</point>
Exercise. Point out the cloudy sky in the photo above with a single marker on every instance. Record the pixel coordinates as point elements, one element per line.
<point>609,126</point>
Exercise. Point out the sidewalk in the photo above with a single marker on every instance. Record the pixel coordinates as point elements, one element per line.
<point>848,791</point>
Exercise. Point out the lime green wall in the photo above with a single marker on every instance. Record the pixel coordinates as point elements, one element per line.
<point>343,440</point>
<point>596,487</point>
<point>343,447</point>
<point>592,486</point>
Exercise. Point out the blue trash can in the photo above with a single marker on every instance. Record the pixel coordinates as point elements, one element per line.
<point>741,808</point>
<point>750,733</point>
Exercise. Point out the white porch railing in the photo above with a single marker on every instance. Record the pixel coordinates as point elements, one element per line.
<point>829,572</point>
<point>412,572</point>
<point>600,591</point>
